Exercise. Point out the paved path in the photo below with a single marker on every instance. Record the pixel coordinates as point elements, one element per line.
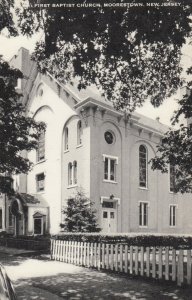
<point>43,279</point>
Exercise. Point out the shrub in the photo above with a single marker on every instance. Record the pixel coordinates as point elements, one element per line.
<point>80,215</point>
<point>145,240</point>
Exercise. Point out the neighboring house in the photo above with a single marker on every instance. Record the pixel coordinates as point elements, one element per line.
<point>88,144</point>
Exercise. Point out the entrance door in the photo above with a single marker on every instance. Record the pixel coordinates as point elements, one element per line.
<point>109,220</point>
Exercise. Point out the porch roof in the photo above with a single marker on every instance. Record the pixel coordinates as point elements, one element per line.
<point>31,200</point>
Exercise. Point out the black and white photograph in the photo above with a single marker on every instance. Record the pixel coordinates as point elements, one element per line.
<point>95,149</point>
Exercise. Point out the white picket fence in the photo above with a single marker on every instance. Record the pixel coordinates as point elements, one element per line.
<point>161,263</point>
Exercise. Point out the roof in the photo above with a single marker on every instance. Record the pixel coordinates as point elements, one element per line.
<point>151,123</point>
<point>93,93</point>
<point>31,200</point>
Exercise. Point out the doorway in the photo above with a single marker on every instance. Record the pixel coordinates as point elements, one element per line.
<point>109,217</point>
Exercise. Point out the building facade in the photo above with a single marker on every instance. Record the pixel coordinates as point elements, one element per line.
<point>89,145</point>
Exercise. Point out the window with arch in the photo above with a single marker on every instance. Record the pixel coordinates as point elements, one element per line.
<point>41,147</point>
<point>75,172</point>
<point>143,167</point>
<point>79,132</point>
<point>70,173</point>
<point>66,139</point>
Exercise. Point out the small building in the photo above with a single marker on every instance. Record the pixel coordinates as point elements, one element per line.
<point>88,144</point>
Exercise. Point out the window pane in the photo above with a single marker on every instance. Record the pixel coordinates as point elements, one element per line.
<point>75,172</point>
<point>70,174</point>
<point>112,169</point>
<point>108,204</point>
<point>143,214</point>
<point>142,166</point>
<point>112,215</point>
<point>1,219</point>
<point>40,182</point>
<point>41,147</point>
<point>66,138</point>
<point>140,214</point>
<point>105,214</point>
<point>79,133</point>
<point>170,216</point>
<point>106,168</point>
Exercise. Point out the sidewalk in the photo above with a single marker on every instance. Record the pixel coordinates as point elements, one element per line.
<point>53,280</point>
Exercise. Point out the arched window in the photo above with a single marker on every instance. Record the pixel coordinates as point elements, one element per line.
<point>75,172</point>
<point>142,166</point>
<point>70,174</point>
<point>79,133</point>
<point>41,147</point>
<point>66,139</point>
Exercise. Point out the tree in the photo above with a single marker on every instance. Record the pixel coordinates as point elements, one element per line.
<point>176,148</point>
<point>18,132</point>
<point>79,214</point>
<point>131,54</point>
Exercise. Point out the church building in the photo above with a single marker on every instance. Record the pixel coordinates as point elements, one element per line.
<point>89,145</point>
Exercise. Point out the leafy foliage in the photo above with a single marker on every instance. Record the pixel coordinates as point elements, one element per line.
<point>80,216</point>
<point>176,148</point>
<point>6,17</point>
<point>131,239</point>
<point>18,132</point>
<point>129,54</point>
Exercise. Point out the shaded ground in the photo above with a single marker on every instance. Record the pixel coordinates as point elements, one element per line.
<point>43,279</point>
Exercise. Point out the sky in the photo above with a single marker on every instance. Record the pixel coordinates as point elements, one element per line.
<point>10,46</point>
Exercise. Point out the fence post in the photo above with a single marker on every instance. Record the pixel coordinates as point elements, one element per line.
<point>121,258</point>
<point>188,267</point>
<point>85,253</point>
<point>142,261</point>
<point>111,257</point>
<point>154,262</point>
<point>180,268</point>
<point>126,259</point>
<point>103,256</point>
<point>173,265</point>
<point>148,261</point>
<point>167,263</point>
<point>107,256</point>
<point>160,269</point>
<point>95,254</point>
<point>91,255</point>
<point>51,254</point>
<point>78,253</point>
<point>81,255</point>
<point>99,256</point>
<point>116,257</point>
<point>136,260</point>
<point>88,254</point>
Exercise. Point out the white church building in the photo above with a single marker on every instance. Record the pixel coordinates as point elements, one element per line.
<point>88,144</point>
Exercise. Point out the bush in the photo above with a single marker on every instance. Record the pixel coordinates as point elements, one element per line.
<point>79,214</point>
<point>145,240</point>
